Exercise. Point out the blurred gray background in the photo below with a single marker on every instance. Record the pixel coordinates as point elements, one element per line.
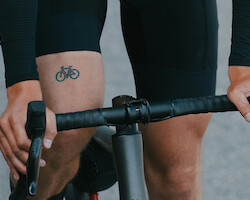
<point>226,145</point>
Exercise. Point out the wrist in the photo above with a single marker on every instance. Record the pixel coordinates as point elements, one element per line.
<point>25,90</point>
<point>238,73</point>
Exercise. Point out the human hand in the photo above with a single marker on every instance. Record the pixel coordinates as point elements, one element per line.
<point>14,142</point>
<point>239,89</point>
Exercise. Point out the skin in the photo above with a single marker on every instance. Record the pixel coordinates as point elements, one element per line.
<point>239,89</point>
<point>172,157</point>
<point>85,92</point>
<point>178,141</point>
<point>14,142</point>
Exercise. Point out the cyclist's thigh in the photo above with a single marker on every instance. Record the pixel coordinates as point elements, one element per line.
<point>68,35</point>
<point>172,45</point>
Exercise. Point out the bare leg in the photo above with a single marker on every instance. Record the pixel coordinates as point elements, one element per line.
<point>85,92</point>
<point>172,157</point>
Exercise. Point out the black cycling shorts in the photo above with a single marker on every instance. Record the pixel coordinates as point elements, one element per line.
<point>69,25</point>
<point>172,45</point>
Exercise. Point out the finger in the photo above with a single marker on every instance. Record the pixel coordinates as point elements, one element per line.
<point>12,168</point>
<point>22,140</point>
<point>239,99</point>
<point>11,156</point>
<point>51,130</point>
<point>7,131</point>
<point>5,128</point>
<point>17,124</point>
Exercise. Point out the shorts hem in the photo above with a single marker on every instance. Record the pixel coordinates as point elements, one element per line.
<point>67,32</point>
<point>159,83</point>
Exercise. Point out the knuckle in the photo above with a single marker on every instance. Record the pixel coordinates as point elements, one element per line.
<point>52,132</point>
<point>16,150</point>
<point>229,89</point>
<point>9,156</point>
<point>2,136</point>
<point>242,106</point>
<point>232,91</point>
<point>20,143</point>
<point>13,119</point>
<point>3,122</point>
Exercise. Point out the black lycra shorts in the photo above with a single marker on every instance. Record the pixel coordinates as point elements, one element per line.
<point>172,44</point>
<point>69,25</point>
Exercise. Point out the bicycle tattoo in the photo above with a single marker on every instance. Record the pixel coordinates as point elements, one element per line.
<point>62,75</point>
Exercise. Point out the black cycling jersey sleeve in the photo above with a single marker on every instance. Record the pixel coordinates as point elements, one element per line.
<point>240,49</point>
<point>17,31</point>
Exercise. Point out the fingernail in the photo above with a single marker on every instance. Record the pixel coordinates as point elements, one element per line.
<point>247,117</point>
<point>47,143</point>
<point>42,163</point>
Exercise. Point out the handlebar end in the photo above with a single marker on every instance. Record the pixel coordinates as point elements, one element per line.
<point>32,189</point>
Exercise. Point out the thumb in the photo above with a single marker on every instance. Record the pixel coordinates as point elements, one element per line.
<point>51,130</point>
<point>239,99</point>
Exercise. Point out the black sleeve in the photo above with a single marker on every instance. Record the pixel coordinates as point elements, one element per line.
<point>240,49</point>
<point>17,31</point>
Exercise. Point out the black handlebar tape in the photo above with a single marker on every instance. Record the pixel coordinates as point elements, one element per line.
<point>180,107</point>
<point>90,118</point>
<point>119,115</point>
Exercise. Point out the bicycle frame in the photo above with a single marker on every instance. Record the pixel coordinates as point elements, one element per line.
<point>128,154</point>
<point>128,151</point>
